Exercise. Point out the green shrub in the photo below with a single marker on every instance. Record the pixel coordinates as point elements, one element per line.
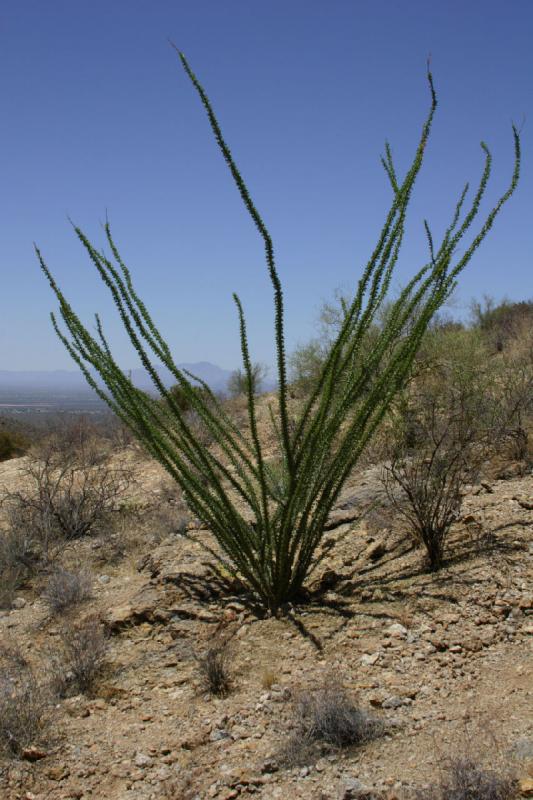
<point>12,445</point>
<point>238,380</point>
<point>270,540</point>
<point>441,427</point>
<point>181,398</point>
<point>501,323</point>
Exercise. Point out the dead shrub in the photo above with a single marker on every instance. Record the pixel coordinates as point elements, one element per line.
<point>327,719</point>
<point>80,657</point>
<point>64,495</point>
<point>465,779</point>
<point>427,490</point>
<point>437,445</point>
<point>214,669</point>
<point>24,704</point>
<point>18,559</point>
<point>65,589</point>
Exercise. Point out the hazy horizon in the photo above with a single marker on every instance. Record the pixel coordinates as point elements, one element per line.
<point>99,116</point>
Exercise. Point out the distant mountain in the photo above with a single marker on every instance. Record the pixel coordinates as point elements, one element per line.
<point>73,381</point>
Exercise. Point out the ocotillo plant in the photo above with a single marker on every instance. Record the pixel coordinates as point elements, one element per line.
<point>269,522</point>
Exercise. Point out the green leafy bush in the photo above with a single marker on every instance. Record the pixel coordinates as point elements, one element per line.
<point>12,444</point>
<point>238,380</point>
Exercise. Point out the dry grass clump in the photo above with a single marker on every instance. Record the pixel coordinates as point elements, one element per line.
<point>24,703</point>
<point>214,669</point>
<point>463,778</point>
<point>268,678</point>
<point>327,719</point>
<point>65,589</point>
<point>79,661</point>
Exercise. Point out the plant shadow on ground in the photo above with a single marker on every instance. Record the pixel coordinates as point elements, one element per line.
<point>349,595</point>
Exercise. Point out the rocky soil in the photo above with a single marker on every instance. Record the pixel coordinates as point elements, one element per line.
<point>444,660</point>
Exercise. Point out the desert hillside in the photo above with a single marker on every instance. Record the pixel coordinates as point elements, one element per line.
<point>437,664</point>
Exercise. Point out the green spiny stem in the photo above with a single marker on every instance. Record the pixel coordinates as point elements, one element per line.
<point>272,546</point>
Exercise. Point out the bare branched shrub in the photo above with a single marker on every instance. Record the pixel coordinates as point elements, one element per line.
<point>17,562</point>
<point>513,393</point>
<point>64,495</point>
<point>65,589</point>
<point>328,718</point>
<point>437,442</point>
<point>24,704</point>
<point>214,669</point>
<point>464,779</point>
<point>80,658</point>
<point>427,491</point>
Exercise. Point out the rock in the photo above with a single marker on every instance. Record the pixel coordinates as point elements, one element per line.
<point>375,551</point>
<point>142,760</point>
<point>269,765</point>
<point>119,617</point>
<point>395,702</point>
<point>369,660</point>
<point>328,580</point>
<point>473,644</point>
<point>397,630</point>
<point>58,772</point>
<point>18,603</point>
<point>352,789</point>
<point>218,734</point>
<point>514,470</point>
<point>525,787</point>
<point>524,504</point>
<point>76,706</point>
<point>33,753</point>
<point>438,643</point>
<point>104,579</point>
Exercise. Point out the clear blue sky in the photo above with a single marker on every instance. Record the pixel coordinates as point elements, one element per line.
<point>97,114</point>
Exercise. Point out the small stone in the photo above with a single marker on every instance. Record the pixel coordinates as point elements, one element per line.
<point>393,702</point>
<point>104,579</point>
<point>218,734</point>
<point>369,660</point>
<point>76,706</point>
<point>397,630</point>
<point>33,753</point>
<point>58,772</point>
<point>18,603</point>
<point>352,789</point>
<point>142,760</point>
